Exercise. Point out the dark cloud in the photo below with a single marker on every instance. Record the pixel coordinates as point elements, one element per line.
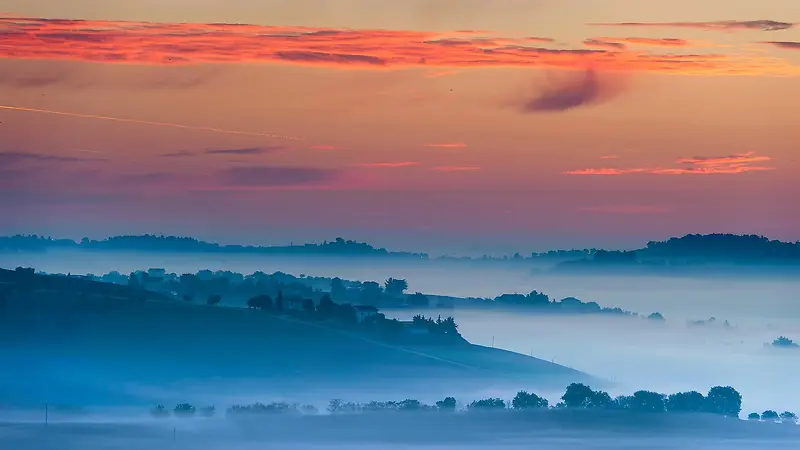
<point>332,58</point>
<point>10,158</point>
<point>277,176</point>
<point>572,90</point>
<point>243,151</point>
<point>606,44</point>
<point>784,44</point>
<point>724,25</point>
<point>179,154</point>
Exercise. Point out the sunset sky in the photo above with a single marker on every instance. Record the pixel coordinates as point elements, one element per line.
<point>430,125</point>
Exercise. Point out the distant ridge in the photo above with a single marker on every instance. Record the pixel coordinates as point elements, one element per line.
<point>689,249</point>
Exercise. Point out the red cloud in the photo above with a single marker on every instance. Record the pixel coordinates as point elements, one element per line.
<point>744,158</point>
<point>448,145</point>
<point>186,43</point>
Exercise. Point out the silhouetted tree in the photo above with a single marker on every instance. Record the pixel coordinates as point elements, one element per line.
<point>769,415</point>
<point>448,404</point>
<point>208,411</point>
<point>788,417</point>
<point>487,404</point>
<point>326,306</point>
<point>647,401</point>
<point>724,400</point>
<point>371,293</point>
<point>338,290</point>
<point>656,317</point>
<point>308,305</point>
<point>279,302</point>
<point>159,411</point>
<point>692,401</point>
<point>183,410</point>
<point>394,286</point>
<point>526,400</point>
<point>579,395</point>
<point>260,302</point>
<point>214,300</point>
<point>418,299</point>
<point>754,416</point>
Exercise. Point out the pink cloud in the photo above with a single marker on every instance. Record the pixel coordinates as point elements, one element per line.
<point>456,168</point>
<point>628,209</point>
<point>448,145</point>
<point>323,147</point>
<point>697,165</point>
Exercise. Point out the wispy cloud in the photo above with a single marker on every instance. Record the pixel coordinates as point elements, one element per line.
<point>243,151</point>
<point>267,176</point>
<point>697,165</point>
<point>323,147</point>
<point>187,43</point>
<point>720,25</point>
<point>396,164</point>
<point>569,91</point>
<point>623,42</point>
<point>448,145</point>
<point>456,168</point>
<point>609,157</point>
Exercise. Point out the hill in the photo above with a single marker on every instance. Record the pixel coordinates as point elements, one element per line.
<point>72,339</point>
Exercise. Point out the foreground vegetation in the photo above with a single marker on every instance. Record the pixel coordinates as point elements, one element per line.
<point>720,400</point>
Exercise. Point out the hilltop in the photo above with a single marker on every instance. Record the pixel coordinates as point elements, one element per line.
<point>116,335</point>
<point>687,252</point>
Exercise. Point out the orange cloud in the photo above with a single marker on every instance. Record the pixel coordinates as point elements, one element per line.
<point>744,158</point>
<point>323,147</point>
<point>186,43</point>
<point>604,44</point>
<point>609,157</point>
<point>720,25</point>
<point>698,165</point>
<point>456,168</point>
<point>390,164</point>
<point>448,145</point>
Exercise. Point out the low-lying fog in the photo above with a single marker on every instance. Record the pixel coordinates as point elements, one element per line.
<point>635,353</point>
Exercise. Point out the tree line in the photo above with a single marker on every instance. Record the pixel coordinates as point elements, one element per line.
<point>723,401</point>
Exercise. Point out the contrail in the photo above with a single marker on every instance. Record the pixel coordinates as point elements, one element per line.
<point>148,122</point>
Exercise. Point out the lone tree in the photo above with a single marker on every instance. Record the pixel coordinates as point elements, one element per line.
<point>579,395</point>
<point>214,300</point>
<point>448,404</point>
<point>769,415</point>
<point>754,416</point>
<point>183,410</point>
<point>487,404</point>
<point>159,411</point>
<point>526,400</point>
<point>647,401</point>
<point>686,402</point>
<point>788,417</point>
<point>395,286</point>
<point>724,400</point>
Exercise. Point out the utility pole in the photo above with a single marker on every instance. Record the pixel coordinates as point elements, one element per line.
<point>174,434</point>
<point>46,413</point>
<point>492,341</point>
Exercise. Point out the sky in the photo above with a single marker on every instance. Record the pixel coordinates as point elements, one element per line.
<point>426,125</point>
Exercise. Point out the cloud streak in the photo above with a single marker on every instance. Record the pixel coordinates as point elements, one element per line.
<point>277,176</point>
<point>570,91</point>
<point>719,25</point>
<point>143,122</point>
<point>456,168</point>
<point>389,165</point>
<point>243,151</point>
<point>696,165</point>
<point>153,43</point>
